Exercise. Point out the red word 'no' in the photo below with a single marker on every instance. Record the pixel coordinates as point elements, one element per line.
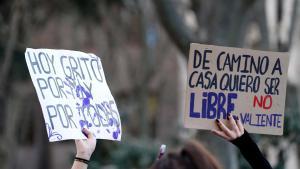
<point>264,102</point>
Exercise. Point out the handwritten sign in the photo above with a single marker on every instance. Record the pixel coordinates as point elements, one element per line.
<point>73,94</point>
<point>249,84</point>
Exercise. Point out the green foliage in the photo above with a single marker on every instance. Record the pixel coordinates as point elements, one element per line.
<point>292,115</point>
<point>19,70</point>
<point>132,154</point>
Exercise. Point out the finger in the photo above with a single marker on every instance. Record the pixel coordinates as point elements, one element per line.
<point>220,134</point>
<point>223,127</point>
<point>88,133</point>
<point>232,123</point>
<point>240,125</point>
<point>78,142</point>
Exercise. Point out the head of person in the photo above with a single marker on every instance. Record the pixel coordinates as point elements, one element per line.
<point>192,156</point>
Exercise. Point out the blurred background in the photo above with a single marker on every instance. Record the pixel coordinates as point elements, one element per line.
<point>144,46</point>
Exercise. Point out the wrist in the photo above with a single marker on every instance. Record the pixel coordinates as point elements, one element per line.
<point>85,156</point>
<point>82,161</point>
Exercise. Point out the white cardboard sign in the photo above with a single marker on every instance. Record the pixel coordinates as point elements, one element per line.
<point>249,84</point>
<point>73,94</point>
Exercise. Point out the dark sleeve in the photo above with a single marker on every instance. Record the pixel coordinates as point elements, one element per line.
<point>251,152</point>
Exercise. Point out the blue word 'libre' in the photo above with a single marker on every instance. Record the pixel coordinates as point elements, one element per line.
<point>213,105</point>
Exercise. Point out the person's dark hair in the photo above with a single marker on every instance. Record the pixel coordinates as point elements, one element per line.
<point>192,156</point>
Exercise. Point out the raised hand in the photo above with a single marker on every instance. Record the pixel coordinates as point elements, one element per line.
<point>234,129</point>
<point>85,148</point>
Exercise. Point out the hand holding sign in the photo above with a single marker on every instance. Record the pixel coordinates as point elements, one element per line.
<point>86,147</point>
<point>234,130</point>
<point>73,93</point>
<point>248,84</point>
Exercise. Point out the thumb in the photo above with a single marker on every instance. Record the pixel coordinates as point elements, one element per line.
<point>87,133</point>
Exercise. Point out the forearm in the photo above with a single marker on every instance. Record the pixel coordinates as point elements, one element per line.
<point>85,149</point>
<point>251,152</point>
<point>79,165</point>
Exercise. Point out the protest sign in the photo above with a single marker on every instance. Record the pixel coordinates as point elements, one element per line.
<point>73,94</point>
<point>248,84</point>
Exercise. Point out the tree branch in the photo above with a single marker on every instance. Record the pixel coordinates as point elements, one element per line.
<point>180,33</point>
<point>8,55</point>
